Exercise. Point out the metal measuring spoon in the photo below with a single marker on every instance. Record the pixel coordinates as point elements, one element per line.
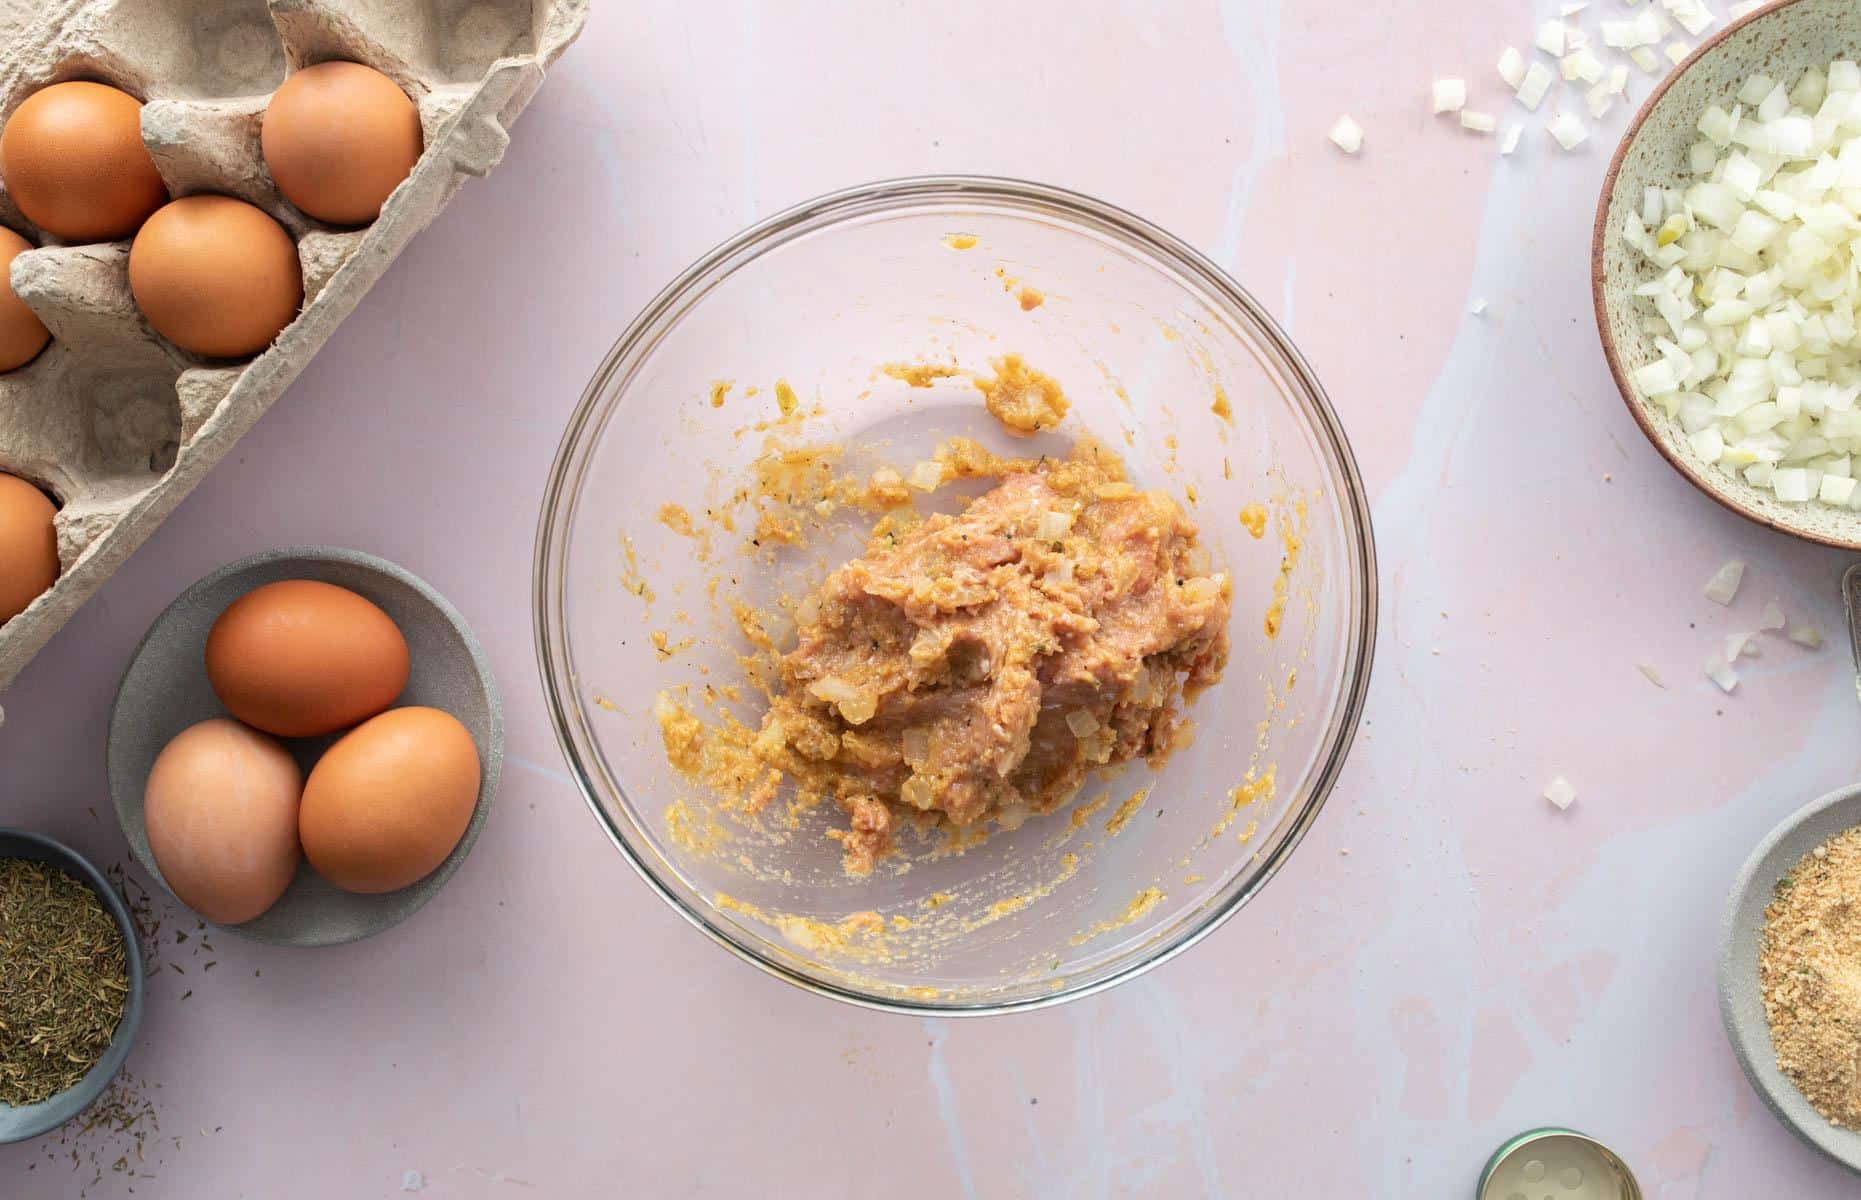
<point>1851,600</point>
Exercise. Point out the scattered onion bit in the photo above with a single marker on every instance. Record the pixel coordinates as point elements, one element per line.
<point>1807,636</point>
<point>1478,122</point>
<point>1723,586</point>
<point>1739,645</point>
<point>1511,67</point>
<point>1770,618</point>
<point>1722,674</point>
<point>1536,85</point>
<point>1510,140</point>
<point>1568,129</point>
<point>1691,15</point>
<point>1450,95</point>
<point>1560,793</point>
<point>1347,135</point>
<point>1582,64</point>
<point>1648,673</point>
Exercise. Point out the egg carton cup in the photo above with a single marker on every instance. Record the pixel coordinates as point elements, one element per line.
<point>115,420</point>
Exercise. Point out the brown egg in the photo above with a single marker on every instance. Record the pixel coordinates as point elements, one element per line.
<point>28,545</point>
<point>385,805</point>
<point>220,808</point>
<point>22,334</point>
<point>338,137</point>
<point>300,658</point>
<point>215,276</point>
<point>72,158</point>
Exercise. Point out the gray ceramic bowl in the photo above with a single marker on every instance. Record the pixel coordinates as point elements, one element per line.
<point>1739,999</point>
<point>165,690</point>
<point>1782,41</point>
<point>18,1124</point>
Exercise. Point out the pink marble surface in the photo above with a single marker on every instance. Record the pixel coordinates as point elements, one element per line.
<point>1375,1022</point>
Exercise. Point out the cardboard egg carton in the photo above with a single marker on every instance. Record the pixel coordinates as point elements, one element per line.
<point>113,419</point>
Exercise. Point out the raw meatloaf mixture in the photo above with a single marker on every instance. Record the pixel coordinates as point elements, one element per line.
<point>979,665</point>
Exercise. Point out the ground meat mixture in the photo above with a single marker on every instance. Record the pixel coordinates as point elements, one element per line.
<point>979,665</point>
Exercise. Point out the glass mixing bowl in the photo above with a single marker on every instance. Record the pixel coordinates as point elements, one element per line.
<point>1149,338</point>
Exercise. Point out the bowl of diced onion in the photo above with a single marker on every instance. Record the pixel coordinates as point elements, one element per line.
<point>1727,268</point>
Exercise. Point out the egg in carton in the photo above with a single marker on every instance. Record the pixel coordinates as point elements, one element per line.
<point>114,420</point>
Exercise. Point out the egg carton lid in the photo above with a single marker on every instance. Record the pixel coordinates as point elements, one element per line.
<point>114,420</point>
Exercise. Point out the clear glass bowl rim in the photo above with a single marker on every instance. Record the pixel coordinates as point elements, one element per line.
<point>658,316</point>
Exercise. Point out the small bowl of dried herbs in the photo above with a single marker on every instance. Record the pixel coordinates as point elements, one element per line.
<point>70,984</point>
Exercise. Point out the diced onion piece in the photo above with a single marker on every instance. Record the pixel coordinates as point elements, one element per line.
<point>1536,85</point>
<point>1756,88</point>
<point>1791,484</point>
<point>918,792</point>
<point>1708,443</point>
<point>1806,635</point>
<point>1550,38</point>
<point>1740,644</point>
<point>1677,52</point>
<point>1646,59</point>
<point>1478,306</point>
<point>1569,130</point>
<point>856,705</point>
<point>1450,95</point>
<point>1722,674</point>
<point>1770,617</point>
<point>927,476</point>
<point>1648,673</point>
<point>1082,723</point>
<point>1347,135</point>
<point>1012,816</point>
<point>1836,489</point>
<point>1478,122</point>
<point>1582,64</point>
<point>1511,67</point>
<point>1723,586</point>
<point>1598,100</point>
<point>1643,29</point>
<point>1054,524</point>
<point>1560,793</point>
<point>808,611</point>
<point>1693,16</point>
<point>1509,140</point>
<point>914,744</point>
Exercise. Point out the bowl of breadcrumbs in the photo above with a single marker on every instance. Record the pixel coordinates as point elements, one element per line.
<point>1790,974</point>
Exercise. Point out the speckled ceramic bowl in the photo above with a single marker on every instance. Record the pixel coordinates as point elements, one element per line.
<point>29,1121</point>
<point>1783,41</point>
<point>165,690</point>
<point>1740,1001</point>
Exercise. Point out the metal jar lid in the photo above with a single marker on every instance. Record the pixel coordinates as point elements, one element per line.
<point>1556,1164</point>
